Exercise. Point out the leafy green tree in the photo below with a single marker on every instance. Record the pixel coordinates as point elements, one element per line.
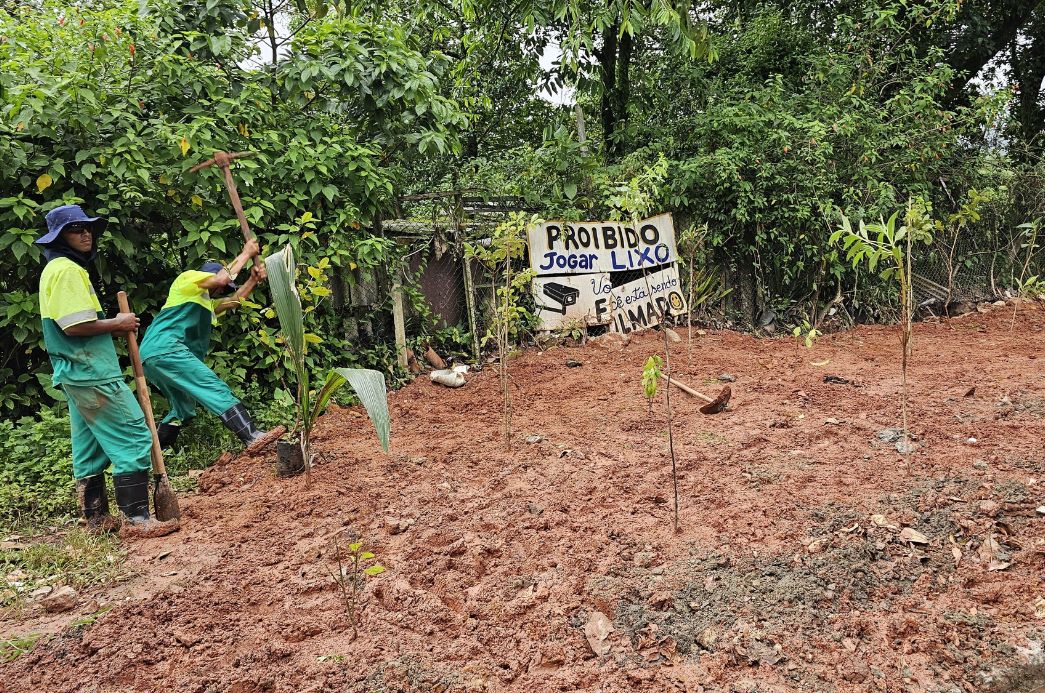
<point>107,106</point>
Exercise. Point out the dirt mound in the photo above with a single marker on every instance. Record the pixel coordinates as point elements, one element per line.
<point>810,557</point>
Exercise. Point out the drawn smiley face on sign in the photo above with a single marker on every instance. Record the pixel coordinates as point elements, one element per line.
<point>675,299</point>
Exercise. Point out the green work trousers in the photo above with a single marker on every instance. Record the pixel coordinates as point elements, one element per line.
<point>185,380</point>
<point>108,426</point>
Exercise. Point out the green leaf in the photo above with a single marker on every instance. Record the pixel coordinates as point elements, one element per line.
<point>374,570</point>
<point>287,302</point>
<point>369,386</point>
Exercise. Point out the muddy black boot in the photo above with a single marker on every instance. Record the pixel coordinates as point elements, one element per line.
<point>237,420</point>
<point>94,503</point>
<point>132,497</point>
<point>168,434</point>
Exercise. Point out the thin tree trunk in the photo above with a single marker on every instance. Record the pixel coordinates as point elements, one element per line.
<point>608,70</point>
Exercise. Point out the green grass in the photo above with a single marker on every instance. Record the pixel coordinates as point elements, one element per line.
<point>75,557</point>
<point>12,649</point>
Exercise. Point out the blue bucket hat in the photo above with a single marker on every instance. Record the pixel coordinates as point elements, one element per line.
<point>60,217</point>
<point>214,268</point>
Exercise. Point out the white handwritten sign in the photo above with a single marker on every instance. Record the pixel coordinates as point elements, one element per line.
<point>591,299</point>
<point>558,247</point>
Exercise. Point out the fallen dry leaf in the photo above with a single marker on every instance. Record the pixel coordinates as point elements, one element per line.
<point>1039,608</point>
<point>882,521</point>
<point>957,553</point>
<point>998,565</point>
<point>913,536</point>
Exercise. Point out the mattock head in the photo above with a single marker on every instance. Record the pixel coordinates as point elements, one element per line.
<point>719,403</point>
<point>220,159</point>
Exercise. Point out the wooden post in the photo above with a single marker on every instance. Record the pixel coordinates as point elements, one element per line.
<point>466,270</point>
<point>399,320</point>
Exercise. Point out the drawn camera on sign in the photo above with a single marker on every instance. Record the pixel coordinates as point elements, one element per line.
<point>561,294</point>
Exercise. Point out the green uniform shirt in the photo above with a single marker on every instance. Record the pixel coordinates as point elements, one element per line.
<point>185,320</point>
<point>66,299</point>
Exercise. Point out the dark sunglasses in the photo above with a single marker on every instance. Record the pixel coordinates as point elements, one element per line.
<point>79,229</point>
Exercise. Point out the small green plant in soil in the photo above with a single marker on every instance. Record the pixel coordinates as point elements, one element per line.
<point>806,334</point>
<point>635,199</point>
<point>651,373</point>
<point>89,619</point>
<point>573,329</point>
<point>887,248</point>
<point>354,567</point>
<point>703,286</point>
<point>369,385</point>
<point>1028,287</point>
<point>507,247</point>
<point>13,648</point>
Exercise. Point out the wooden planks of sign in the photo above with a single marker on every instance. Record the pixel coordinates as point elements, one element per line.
<point>578,263</point>
<point>558,247</point>
<point>591,299</point>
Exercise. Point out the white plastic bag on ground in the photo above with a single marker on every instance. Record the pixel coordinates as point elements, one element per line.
<point>448,378</point>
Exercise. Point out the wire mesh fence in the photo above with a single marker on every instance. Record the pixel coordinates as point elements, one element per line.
<point>450,292</point>
<point>970,267</point>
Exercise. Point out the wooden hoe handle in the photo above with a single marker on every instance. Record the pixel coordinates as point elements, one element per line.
<point>222,160</point>
<point>687,389</point>
<point>143,389</point>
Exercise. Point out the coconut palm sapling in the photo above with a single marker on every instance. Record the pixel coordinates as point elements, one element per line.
<point>369,385</point>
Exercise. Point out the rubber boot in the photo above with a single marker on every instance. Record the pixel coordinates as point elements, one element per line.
<point>237,420</point>
<point>94,504</point>
<point>168,434</point>
<point>132,497</point>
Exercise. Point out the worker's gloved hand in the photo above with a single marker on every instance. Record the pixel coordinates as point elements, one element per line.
<point>251,248</point>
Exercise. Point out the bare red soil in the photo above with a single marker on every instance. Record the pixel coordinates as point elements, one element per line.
<point>795,567</point>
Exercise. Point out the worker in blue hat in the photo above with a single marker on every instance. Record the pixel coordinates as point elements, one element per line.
<point>107,424</point>
<point>178,339</point>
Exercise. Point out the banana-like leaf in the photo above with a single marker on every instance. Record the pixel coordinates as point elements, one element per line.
<point>281,270</point>
<point>369,386</point>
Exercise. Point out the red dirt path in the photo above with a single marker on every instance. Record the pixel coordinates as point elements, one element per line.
<point>779,579</point>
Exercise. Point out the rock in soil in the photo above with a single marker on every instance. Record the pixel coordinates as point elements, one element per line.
<point>888,435</point>
<point>149,530</point>
<point>597,631</point>
<point>62,599</point>
<point>612,341</point>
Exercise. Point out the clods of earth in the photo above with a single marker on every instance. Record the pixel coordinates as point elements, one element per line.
<point>811,554</point>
